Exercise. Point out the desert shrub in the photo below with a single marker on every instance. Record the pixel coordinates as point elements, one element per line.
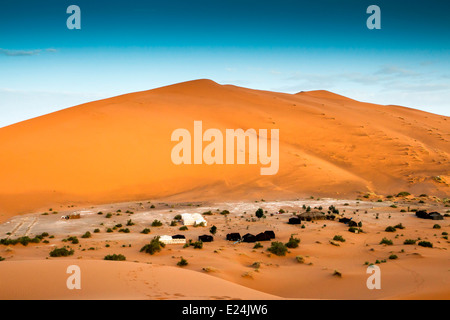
<point>201,224</point>
<point>146,231</point>
<point>108,215</point>
<point>390,229</point>
<point>177,217</point>
<point>445,233</point>
<point>293,242</point>
<point>386,242</point>
<point>337,274</point>
<point>225,212</point>
<point>281,211</point>
<point>183,228</point>
<point>183,262</point>
<point>130,223</point>
<point>61,252</point>
<point>115,257</point>
<point>213,230</point>
<point>86,235</point>
<point>154,246</point>
<point>198,244</point>
<point>259,213</point>
<point>436,226</point>
<point>278,248</point>
<point>339,238</point>
<point>207,213</point>
<point>399,226</point>
<point>125,230</point>
<point>173,223</point>
<point>152,206</point>
<point>425,244</point>
<point>74,240</point>
<point>300,259</point>
<point>109,230</point>
<point>257,245</point>
<point>393,206</point>
<point>156,223</point>
<point>97,230</point>
<point>403,194</point>
<point>410,241</point>
<point>393,257</point>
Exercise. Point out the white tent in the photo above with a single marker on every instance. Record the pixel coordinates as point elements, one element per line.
<point>192,219</point>
<point>169,240</point>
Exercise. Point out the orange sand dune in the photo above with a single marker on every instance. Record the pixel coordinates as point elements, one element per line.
<point>119,149</point>
<point>116,280</point>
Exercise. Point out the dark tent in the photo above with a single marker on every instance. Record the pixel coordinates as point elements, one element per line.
<point>262,237</point>
<point>249,238</point>
<point>178,236</point>
<point>233,236</point>
<point>436,216</point>
<point>270,233</point>
<point>205,238</point>
<point>294,220</point>
<point>344,220</point>
<point>422,214</point>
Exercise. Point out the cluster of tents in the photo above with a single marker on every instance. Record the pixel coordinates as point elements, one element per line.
<point>263,236</point>
<point>310,216</point>
<point>432,215</point>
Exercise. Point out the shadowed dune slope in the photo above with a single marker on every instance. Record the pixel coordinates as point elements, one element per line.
<point>120,148</point>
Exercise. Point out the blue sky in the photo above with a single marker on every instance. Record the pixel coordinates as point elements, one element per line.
<point>287,46</point>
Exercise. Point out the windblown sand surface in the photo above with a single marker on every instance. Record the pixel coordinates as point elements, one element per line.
<point>119,149</point>
<point>227,270</point>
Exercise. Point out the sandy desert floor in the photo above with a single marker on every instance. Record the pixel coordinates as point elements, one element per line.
<point>227,270</point>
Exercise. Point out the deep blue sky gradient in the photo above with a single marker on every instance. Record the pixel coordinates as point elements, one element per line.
<point>285,45</point>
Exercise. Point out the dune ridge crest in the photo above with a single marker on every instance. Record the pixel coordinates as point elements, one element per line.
<point>119,149</point>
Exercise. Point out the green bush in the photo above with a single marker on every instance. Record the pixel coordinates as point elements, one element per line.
<point>177,217</point>
<point>198,244</point>
<point>146,231</point>
<point>410,241</point>
<point>300,259</point>
<point>399,226</point>
<point>403,194</point>
<point>436,226</point>
<point>339,238</point>
<point>390,229</point>
<point>183,228</point>
<point>97,230</point>
<point>154,246</point>
<point>393,257</point>
<point>257,245</point>
<point>115,257</point>
<point>386,242</point>
<point>61,252</point>
<point>108,215</point>
<point>259,213</point>
<point>293,242</point>
<point>130,223</point>
<point>86,235</point>
<point>425,244</point>
<point>278,248</point>
<point>156,223</point>
<point>183,262</point>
